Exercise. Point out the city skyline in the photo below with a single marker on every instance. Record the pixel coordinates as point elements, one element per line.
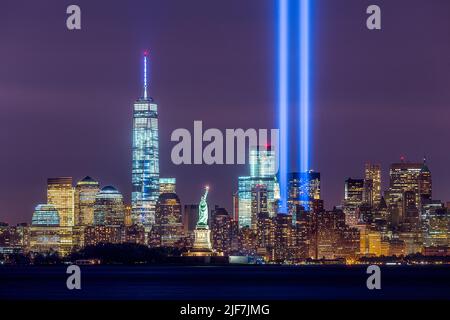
<point>76,139</point>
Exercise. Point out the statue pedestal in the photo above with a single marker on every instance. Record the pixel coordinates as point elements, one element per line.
<point>202,243</point>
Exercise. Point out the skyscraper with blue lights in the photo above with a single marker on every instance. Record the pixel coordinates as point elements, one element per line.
<point>262,173</point>
<point>145,174</point>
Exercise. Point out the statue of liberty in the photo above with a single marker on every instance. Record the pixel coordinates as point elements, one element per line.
<point>203,211</point>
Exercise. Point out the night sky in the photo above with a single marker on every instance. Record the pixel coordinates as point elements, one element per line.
<point>66,96</point>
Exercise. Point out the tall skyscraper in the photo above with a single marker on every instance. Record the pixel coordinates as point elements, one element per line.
<point>168,227</point>
<point>404,176</point>
<point>425,184</point>
<point>304,188</point>
<point>60,193</point>
<point>353,199</point>
<point>354,190</point>
<point>258,204</point>
<point>372,173</point>
<point>109,209</point>
<point>145,175</point>
<point>262,172</point>
<point>85,192</point>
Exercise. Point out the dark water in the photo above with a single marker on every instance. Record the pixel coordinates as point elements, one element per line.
<point>228,282</point>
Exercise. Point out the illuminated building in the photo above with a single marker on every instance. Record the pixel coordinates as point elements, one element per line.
<point>262,162</point>
<point>353,198</point>
<point>168,227</point>
<point>109,209</point>
<point>437,226</point>
<point>60,193</point>
<point>145,172</point>
<point>368,193</point>
<point>370,242</point>
<point>190,218</point>
<point>265,234</point>
<point>93,235</point>
<point>46,232</point>
<point>354,189</point>
<point>247,241</point>
<point>128,221</point>
<point>284,241</point>
<point>13,239</point>
<point>222,230</point>
<point>258,203</point>
<point>262,172</point>
<point>85,192</point>
<point>404,177</point>
<point>134,234</point>
<point>304,188</point>
<point>167,185</point>
<point>45,215</point>
<point>425,184</point>
<point>372,173</point>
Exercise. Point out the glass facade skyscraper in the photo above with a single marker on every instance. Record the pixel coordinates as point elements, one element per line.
<point>263,173</point>
<point>109,209</point>
<point>85,192</point>
<point>145,171</point>
<point>60,193</point>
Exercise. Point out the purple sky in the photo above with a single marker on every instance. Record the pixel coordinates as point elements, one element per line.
<point>66,97</point>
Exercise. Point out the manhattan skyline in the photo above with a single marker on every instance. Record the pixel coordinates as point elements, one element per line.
<point>67,110</point>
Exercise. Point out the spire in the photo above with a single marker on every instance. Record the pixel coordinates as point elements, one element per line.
<point>145,74</point>
<point>425,165</point>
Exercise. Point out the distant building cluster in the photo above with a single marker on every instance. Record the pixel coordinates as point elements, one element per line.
<point>402,220</point>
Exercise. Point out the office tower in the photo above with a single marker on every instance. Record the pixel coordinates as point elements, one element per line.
<point>236,206</point>
<point>128,221</point>
<point>222,230</point>
<point>145,175</point>
<point>353,199</point>
<point>13,239</point>
<point>373,172</point>
<point>283,237</point>
<point>168,227</point>
<point>437,227</point>
<point>109,209</point>
<point>425,184</point>
<point>262,172</point>
<point>404,176</point>
<point>354,189</point>
<point>258,203</point>
<point>303,189</point>
<point>265,234</point>
<point>46,232</point>
<point>411,217</point>
<point>85,192</point>
<point>167,185</point>
<point>262,162</point>
<point>60,193</point>
<point>368,193</point>
<point>45,215</point>
<point>190,218</point>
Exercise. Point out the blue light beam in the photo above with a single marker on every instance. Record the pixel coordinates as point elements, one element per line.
<point>304,82</point>
<point>283,94</point>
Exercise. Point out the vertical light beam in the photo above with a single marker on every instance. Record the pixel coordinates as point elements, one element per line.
<point>304,98</point>
<point>283,94</point>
